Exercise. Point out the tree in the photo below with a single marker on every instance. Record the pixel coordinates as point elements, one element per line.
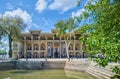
<point>2,51</point>
<point>66,29</point>
<point>11,27</point>
<point>103,33</point>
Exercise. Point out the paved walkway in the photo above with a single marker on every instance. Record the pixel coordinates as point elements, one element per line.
<point>54,59</point>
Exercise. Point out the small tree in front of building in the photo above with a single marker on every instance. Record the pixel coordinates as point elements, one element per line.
<point>66,29</point>
<point>11,28</point>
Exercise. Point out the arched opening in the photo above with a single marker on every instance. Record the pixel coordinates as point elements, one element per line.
<point>35,55</point>
<point>42,54</point>
<point>77,47</point>
<point>29,46</point>
<point>36,47</point>
<point>70,54</point>
<point>21,54</point>
<point>71,47</point>
<point>56,55</point>
<point>29,55</point>
<point>42,47</point>
<point>77,54</point>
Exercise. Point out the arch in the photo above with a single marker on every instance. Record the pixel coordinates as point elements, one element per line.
<point>77,47</point>
<point>35,55</point>
<point>36,46</point>
<point>77,54</point>
<point>42,54</point>
<point>29,46</point>
<point>42,47</point>
<point>29,55</point>
<point>71,47</point>
<point>70,54</point>
<point>21,54</point>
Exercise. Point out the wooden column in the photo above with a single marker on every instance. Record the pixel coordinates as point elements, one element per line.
<point>39,47</point>
<point>25,48</point>
<point>53,47</point>
<point>60,47</point>
<point>81,50</point>
<point>32,45</point>
<point>46,45</point>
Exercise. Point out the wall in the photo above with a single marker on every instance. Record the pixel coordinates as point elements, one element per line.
<point>35,65</point>
<point>73,65</point>
<point>7,65</point>
<point>82,65</point>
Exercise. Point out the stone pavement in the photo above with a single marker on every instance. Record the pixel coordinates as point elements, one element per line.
<point>54,59</point>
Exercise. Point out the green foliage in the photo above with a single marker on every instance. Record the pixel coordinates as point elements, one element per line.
<point>116,69</point>
<point>2,52</point>
<point>11,27</point>
<point>102,36</point>
<point>61,28</point>
<point>66,29</point>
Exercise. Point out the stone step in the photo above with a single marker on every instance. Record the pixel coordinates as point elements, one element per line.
<point>102,71</point>
<point>103,74</point>
<point>106,69</point>
<point>97,74</point>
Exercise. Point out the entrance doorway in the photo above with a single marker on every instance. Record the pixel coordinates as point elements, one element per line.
<point>56,53</point>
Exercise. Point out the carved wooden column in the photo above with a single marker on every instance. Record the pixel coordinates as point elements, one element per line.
<point>81,52</point>
<point>39,47</point>
<point>32,45</point>
<point>53,46</point>
<point>25,47</point>
<point>46,45</point>
<point>60,47</point>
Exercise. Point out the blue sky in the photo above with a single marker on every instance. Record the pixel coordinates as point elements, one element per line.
<point>41,14</point>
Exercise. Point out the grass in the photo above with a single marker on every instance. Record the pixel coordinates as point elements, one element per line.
<point>43,74</point>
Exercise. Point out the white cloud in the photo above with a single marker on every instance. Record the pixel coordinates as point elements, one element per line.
<point>63,5</point>
<point>33,26</point>
<point>41,5</point>
<point>78,13</point>
<point>20,13</point>
<point>9,6</point>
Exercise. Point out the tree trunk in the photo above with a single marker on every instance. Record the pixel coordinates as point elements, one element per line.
<point>67,52</point>
<point>10,46</point>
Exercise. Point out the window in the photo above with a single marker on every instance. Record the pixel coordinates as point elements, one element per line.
<point>42,47</point>
<point>29,47</point>
<point>77,47</point>
<point>36,47</point>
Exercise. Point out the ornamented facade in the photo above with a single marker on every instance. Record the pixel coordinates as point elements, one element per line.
<point>37,44</point>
